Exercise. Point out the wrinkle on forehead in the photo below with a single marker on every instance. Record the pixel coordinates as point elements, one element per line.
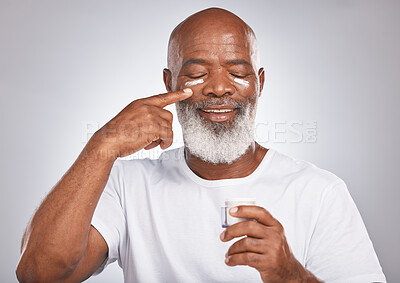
<point>211,26</point>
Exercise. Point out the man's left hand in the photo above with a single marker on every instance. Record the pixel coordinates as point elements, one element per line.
<point>265,248</point>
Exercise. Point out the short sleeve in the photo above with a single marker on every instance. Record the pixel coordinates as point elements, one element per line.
<point>109,216</point>
<point>340,249</point>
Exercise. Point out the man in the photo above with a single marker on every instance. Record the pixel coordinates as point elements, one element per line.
<point>161,218</point>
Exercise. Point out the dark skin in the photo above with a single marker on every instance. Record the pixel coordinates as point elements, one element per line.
<point>59,243</point>
<point>264,248</point>
<point>218,56</point>
<point>219,48</point>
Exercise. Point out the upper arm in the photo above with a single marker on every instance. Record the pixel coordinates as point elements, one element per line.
<point>340,241</point>
<point>95,254</point>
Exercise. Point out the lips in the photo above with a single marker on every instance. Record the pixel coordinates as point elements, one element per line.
<point>218,113</point>
<point>217,110</point>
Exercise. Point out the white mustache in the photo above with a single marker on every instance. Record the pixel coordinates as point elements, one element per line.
<point>218,101</point>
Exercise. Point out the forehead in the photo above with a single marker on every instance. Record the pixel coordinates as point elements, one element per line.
<point>211,44</point>
<point>215,43</point>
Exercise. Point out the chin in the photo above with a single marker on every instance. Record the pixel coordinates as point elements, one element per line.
<point>218,157</point>
<point>216,142</point>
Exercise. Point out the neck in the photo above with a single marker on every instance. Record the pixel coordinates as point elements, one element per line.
<point>241,167</point>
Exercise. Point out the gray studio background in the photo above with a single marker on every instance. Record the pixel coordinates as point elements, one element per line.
<point>331,95</point>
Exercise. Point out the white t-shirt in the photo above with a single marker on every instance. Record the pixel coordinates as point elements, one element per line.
<point>162,222</point>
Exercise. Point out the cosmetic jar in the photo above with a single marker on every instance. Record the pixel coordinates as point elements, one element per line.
<point>227,219</point>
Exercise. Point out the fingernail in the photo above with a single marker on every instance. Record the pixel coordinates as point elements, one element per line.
<point>222,236</point>
<point>226,254</point>
<point>227,259</point>
<point>187,90</point>
<point>233,210</point>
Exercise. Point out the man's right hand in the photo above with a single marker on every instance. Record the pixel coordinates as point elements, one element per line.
<point>59,243</point>
<point>142,124</point>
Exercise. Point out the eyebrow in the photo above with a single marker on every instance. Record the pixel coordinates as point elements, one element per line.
<point>229,62</point>
<point>238,62</point>
<point>194,61</point>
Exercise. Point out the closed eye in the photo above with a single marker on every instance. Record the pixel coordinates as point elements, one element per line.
<point>238,76</point>
<point>196,76</point>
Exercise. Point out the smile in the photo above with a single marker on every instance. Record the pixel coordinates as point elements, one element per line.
<point>218,113</point>
<point>217,110</point>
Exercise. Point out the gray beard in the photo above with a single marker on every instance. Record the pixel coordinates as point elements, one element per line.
<point>217,142</point>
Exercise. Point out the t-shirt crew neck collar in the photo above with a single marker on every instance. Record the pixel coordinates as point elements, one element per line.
<point>223,182</point>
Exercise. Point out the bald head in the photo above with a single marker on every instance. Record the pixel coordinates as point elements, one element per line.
<point>214,53</point>
<point>212,26</point>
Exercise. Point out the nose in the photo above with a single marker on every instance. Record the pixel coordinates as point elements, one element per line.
<point>218,84</point>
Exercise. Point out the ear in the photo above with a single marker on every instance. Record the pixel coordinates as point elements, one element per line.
<point>261,79</point>
<point>167,79</point>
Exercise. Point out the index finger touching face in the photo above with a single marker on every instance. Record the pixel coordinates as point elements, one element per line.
<point>164,99</point>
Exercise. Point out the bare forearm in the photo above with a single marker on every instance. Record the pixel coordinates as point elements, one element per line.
<point>308,277</point>
<point>296,274</point>
<point>304,275</point>
<point>56,237</point>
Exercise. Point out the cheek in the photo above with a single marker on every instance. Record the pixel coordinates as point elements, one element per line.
<point>247,89</point>
<point>242,82</point>
<point>193,83</point>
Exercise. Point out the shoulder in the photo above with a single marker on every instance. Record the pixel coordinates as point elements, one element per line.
<point>300,171</point>
<point>147,168</point>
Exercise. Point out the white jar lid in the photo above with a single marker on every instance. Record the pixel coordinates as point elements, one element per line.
<point>240,201</point>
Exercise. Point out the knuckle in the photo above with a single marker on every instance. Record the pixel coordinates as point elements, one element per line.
<point>275,237</point>
<point>170,134</point>
<point>135,103</point>
<point>254,258</point>
<point>139,104</point>
<point>252,242</point>
<point>251,258</point>
<point>246,243</point>
<point>279,227</point>
<point>147,114</point>
<point>162,98</point>
<point>139,101</point>
<point>162,130</point>
<point>264,210</point>
<point>151,128</point>
<point>165,131</point>
<point>145,107</point>
<point>151,138</point>
<point>252,225</point>
<point>246,257</point>
<point>169,116</point>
